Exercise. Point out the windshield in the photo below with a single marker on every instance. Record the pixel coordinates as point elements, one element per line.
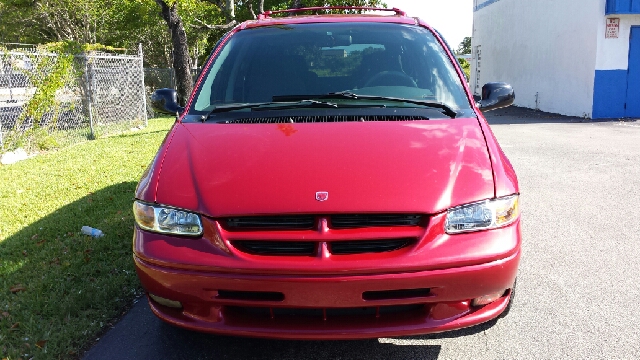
<point>301,61</point>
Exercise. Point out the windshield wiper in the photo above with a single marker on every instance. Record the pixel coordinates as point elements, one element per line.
<point>307,103</point>
<point>333,95</point>
<point>347,95</point>
<point>447,110</point>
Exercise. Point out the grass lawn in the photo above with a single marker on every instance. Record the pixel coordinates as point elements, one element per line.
<point>59,288</point>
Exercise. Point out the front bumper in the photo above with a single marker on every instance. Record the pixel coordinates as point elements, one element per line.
<point>330,307</point>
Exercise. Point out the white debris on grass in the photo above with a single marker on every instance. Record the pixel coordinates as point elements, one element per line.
<point>13,157</point>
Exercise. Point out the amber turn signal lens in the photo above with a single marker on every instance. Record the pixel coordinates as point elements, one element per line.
<point>487,299</point>
<point>144,215</point>
<point>166,302</point>
<point>483,215</point>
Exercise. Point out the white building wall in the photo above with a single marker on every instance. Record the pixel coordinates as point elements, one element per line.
<point>546,49</point>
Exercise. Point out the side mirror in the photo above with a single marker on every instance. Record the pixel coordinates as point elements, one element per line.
<point>165,101</point>
<point>496,95</point>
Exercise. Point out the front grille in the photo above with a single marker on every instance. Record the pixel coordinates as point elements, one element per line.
<point>310,248</point>
<point>348,221</point>
<point>325,119</point>
<point>307,222</point>
<point>302,222</point>
<point>276,248</point>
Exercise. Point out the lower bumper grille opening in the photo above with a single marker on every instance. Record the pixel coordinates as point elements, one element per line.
<point>250,295</point>
<point>311,314</point>
<point>276,248</point>
<point>395,294</point>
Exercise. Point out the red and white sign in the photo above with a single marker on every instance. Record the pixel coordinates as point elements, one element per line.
<point>613,28</point>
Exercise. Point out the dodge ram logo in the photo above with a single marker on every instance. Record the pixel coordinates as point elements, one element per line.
<point>322,196</point>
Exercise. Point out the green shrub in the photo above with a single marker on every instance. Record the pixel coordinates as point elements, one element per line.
<point>466,67</point>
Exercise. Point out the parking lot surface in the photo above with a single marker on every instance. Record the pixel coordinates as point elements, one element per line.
<point>578,284</point>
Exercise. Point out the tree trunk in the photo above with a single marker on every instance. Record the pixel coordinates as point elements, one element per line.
<point>231,9</point>
<point>181,59</point>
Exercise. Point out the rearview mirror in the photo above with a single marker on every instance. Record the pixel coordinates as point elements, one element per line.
<point>496,95</point>
<point>165,101</point>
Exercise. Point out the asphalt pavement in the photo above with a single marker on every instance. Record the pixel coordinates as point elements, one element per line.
<point>578,285</point>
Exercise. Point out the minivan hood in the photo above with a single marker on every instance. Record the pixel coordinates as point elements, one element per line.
<point>366,167</point>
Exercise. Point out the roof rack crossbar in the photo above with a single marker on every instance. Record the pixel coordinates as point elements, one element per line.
<point>268,14</point>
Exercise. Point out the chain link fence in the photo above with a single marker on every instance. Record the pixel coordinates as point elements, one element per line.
<point>50,100</point>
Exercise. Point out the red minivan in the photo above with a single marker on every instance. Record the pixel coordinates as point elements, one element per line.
<point>331,177</point>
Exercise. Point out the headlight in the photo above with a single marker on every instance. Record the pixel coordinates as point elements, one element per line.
<point>483,215</point>
<point>166,220</point>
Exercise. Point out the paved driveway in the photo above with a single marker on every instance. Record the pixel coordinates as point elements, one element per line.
<point>579,281</point>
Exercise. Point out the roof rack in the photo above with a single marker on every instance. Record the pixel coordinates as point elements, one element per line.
<point>267,14</point>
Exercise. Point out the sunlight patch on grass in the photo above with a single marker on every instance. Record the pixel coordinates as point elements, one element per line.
<point>7,267</point>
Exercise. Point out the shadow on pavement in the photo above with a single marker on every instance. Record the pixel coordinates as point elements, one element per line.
<point>140,335</point>
<point>520,115</point>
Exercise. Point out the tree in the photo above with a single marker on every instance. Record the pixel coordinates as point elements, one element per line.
<point>120,24</point>
<point>466,67</point>
<point>175,22</point>
<point>181,59</point>
<point>464,47</point>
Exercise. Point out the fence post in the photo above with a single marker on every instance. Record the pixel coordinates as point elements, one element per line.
<point>144,90</point>
<point>89,95</point>
<point>10,73</point>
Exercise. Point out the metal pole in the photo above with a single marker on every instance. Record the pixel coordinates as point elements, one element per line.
<point>10,73</point>
<point>144,91</point>
<point>89,97</point>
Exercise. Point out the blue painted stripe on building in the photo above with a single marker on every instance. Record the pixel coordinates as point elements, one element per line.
<point>484,5</point>
<point>623,7</point>
<point>609,94</point>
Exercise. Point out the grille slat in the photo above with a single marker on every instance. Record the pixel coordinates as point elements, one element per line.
<point>324,119</point>
<point>346,221</point>
<point>272,222</point>
<point>277,248</point>
<point>367,246</point>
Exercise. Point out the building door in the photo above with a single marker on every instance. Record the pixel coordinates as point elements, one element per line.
<point>633,76</point>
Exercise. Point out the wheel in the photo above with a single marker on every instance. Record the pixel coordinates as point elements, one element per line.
<point>391,78</point>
